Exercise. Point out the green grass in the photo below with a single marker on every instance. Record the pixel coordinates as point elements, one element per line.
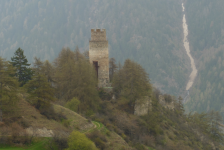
<point>99,125</point>
<point>36,146</point>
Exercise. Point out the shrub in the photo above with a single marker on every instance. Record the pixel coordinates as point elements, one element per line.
<point>108,133</point>
<point>73,104</point>
<point>59,140</point>
<point>139,146</point>
<point>51,114</point>
<point>168,98</point>
<point>98,138</point>
<point>19,135</point>
<point>78,141</point>
<point>24,123</point>
<point>66,123</point>
<point>4,132</point>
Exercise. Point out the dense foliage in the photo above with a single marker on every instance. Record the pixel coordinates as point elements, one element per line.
<point>8,90</point>
<point>131,83</point>
<point>20,62</point>
<point>71,81</point>
<point>79,141</point>
<point>75,77</point>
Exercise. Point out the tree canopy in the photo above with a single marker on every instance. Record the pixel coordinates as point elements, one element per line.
<point>132,83</point>
<point>20,62</point>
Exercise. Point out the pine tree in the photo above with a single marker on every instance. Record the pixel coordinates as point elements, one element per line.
<point>8,88</point>
<point>113,68</point>
<point>19,61</point>
<point>180,106</point>
<point>75,77</point>
<point>216,131</point>
<point>40,90</point>
<point>49,71</point>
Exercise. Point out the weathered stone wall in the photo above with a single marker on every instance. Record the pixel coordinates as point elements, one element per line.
<point>162,101</point>
<point>98,51</point>
<point>98,35</point>
<point>143,106</point>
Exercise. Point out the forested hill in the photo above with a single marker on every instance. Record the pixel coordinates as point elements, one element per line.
<point>147,31</point>
<point>206,25</point>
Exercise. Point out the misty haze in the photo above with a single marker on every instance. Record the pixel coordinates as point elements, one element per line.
<point>111,75</point>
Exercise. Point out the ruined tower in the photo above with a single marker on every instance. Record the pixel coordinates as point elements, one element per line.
<point>99,55</point>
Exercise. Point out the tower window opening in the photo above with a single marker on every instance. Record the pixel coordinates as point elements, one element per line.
<point>95,64</point>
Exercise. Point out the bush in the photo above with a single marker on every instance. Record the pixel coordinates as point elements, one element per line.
<point>168,98</point>
<point>19,135</point>
<point>66,123</point>
<point>4,132</point>
<point>139,146</point>
<point>24,123</point>
<point>78,141</point>
<point>99,139</point>
<point>73,104</point>
<point>104,95</point>
<point>59,140</point>
<point>51,114</point>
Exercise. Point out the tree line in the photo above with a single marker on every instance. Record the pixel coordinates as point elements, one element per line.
<point>70,80</point>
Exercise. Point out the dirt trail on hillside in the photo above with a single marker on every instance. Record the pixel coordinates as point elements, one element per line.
<point>194,72</point>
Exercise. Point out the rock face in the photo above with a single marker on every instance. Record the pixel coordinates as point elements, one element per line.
<point>37,132</point>
<point>143,106</point>
<point>166,104</point>
<point>99,55</point>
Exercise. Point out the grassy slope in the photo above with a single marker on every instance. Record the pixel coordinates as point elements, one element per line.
<point>40,145</point>
<point>114,140</point>
<point>34,117</point>
<point>76,122</point>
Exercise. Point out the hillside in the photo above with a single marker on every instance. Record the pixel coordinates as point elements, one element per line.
<point>44,127</point>
<point>206,38</point>
<point>147,31</point>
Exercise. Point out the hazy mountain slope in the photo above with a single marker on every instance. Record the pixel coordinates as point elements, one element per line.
<point>206,25</point>
<point>148,31</point>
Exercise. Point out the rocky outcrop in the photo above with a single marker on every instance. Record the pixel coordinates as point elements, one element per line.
<point>39,132</point>
<point>143,106</point>
<point>167,104</point>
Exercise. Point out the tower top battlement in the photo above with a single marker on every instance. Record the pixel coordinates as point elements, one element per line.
<point>98,35</point>
<point>99,56</point>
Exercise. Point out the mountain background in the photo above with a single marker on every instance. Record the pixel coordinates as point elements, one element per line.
<point>147,31</point>
<point>206,36</point>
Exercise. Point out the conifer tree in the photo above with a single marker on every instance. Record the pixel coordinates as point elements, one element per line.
<point>8,88</point>
<point>113,68</point>
<point>132,82</point>
<point>40,90</point>
<point>49,71</point>
<point>75,77</point>
<point>216,131</point>
<point>65,74</point>
<point>19,61</point>
<point>180,106</point>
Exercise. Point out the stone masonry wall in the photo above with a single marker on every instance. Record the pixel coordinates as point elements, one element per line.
<point>143,106</point>
<point>98,51</point>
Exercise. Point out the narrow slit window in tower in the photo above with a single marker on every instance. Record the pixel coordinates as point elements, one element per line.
<point>95,64</point>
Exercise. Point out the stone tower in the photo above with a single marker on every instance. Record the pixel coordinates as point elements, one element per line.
<point>99,56</point>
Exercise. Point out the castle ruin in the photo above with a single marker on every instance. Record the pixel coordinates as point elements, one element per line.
<point>99,55</point>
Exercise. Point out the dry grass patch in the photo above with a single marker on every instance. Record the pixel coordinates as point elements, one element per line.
<point>35,119</point>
